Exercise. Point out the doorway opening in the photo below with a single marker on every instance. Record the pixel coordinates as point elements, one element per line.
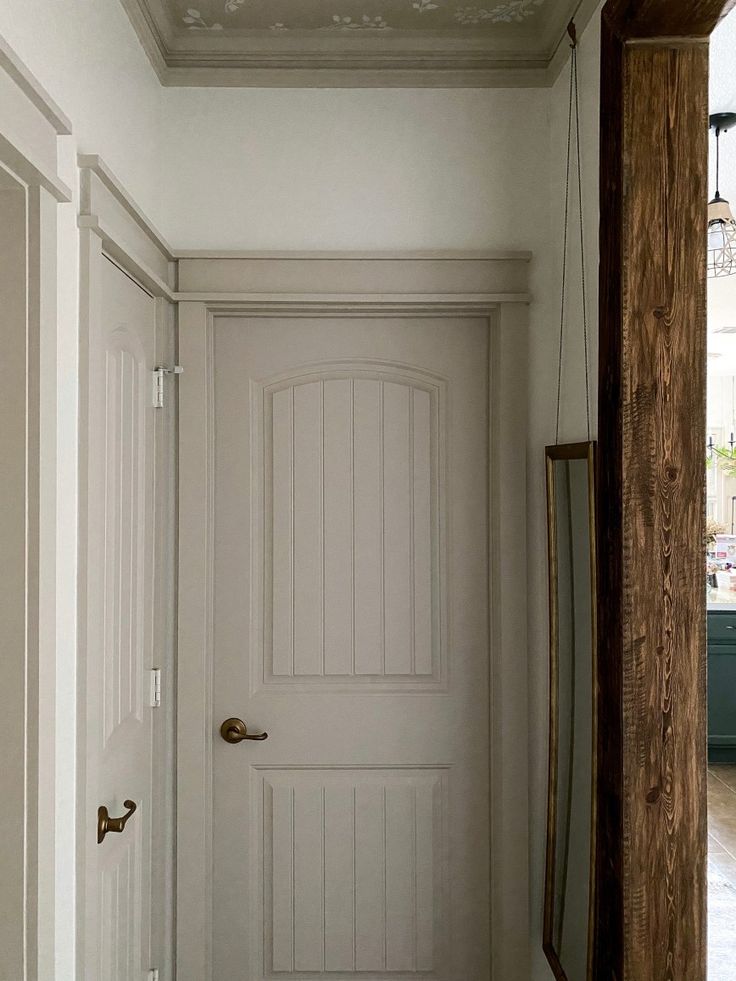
<point>317,459</point>
<point>721,513</point>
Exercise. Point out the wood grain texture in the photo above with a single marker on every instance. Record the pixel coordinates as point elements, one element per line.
<point>651,919</point>
<point>641,19</point>
<point>663,395</point>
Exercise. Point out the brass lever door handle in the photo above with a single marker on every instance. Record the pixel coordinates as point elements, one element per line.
<point>107,825</point>
<point>235,731</point>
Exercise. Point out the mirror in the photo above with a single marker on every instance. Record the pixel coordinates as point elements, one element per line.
<point>569,880</point>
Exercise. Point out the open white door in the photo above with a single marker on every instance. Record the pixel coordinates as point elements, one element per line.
<point>119,627</point>
<point>348,538</point>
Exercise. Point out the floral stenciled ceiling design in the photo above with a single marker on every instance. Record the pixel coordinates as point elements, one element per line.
<point>357,43</point>
<point>348,16</point>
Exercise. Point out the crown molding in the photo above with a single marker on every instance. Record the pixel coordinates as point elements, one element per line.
<point>209,59</point>
<point>154,42</point>
<point>349,76</point>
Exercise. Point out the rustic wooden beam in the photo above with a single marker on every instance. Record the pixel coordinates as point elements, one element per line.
<point>651,860</point>
<point>640,19</point>
<point>608,914</point>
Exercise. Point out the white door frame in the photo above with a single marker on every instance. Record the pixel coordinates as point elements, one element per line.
<point>111,225</point>
<point>212,286</point>
<point>31,125</point>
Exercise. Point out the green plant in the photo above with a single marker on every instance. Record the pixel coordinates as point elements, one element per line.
<point>725,457</point>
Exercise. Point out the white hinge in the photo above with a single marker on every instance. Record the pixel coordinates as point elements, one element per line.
<point>153,974</point>
<point>158,382</point>
<point>156,688</point>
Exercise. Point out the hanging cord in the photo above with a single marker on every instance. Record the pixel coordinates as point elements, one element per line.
<point>564,255</point>
<point>582,240</point>
<point>574,99</point>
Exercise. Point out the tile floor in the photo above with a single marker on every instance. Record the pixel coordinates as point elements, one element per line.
<point>722,872</point>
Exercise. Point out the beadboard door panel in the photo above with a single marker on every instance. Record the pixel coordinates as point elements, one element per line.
<point>119,632</point>
<point>352,586</point>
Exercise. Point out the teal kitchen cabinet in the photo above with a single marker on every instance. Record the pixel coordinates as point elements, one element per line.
<point>722,686</point>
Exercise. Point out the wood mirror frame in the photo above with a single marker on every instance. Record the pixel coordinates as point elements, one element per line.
<point>582,453</point>
<point>652,833</point>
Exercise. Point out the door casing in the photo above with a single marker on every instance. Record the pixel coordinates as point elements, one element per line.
<point>497,293</point>
<point>33,609</point>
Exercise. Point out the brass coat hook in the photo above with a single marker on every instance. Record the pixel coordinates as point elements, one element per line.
<point>106,824</point>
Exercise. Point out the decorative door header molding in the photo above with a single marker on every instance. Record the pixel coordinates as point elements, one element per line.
<point>277,282</point>
<point>381,282</point>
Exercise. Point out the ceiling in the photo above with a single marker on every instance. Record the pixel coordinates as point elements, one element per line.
<point>356,42</point>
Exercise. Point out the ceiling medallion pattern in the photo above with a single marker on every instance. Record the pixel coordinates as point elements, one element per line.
<point>357,43</point>
<point>195,22</point>
<point>502,13</point>
<point>315,15</point>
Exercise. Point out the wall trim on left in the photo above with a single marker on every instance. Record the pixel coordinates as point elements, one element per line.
<point>30,190</point>
<point>112,227</point>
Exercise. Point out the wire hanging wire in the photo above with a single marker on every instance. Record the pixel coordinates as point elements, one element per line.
<point>564,256</point>
<point>573,104</point>
<point>582,241</point>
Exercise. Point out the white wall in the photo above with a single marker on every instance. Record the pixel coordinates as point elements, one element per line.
<point>354,169</point>
<point>88,57</point>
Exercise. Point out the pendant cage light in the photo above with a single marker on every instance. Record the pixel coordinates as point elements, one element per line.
<point>721,222</point>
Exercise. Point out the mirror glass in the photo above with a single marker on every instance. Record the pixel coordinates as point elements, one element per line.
<point>570,820</point>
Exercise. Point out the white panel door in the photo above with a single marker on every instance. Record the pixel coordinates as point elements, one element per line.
<point>120,498</point>
<point>350,623</point>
